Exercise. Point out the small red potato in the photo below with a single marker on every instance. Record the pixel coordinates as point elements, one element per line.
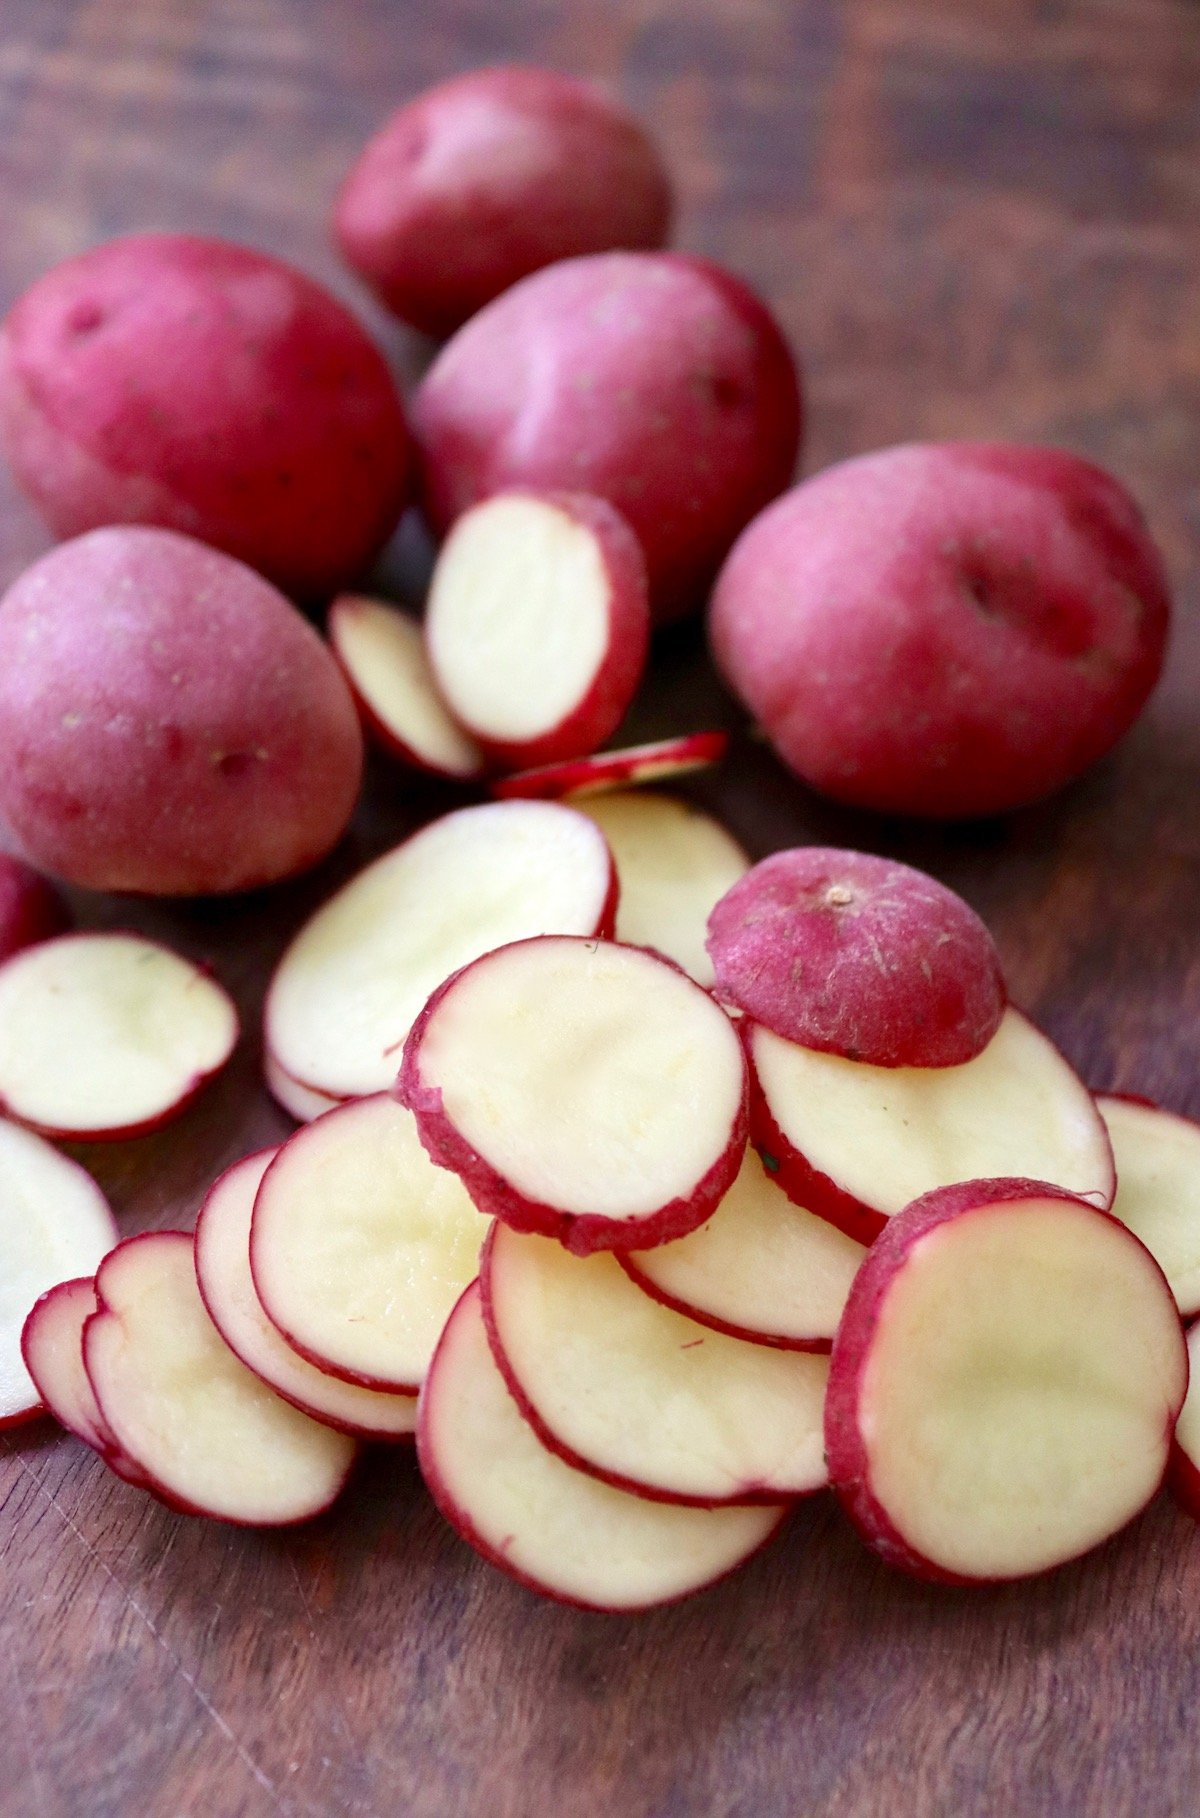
<point>859,956</point>
<point>169,724</point>
<point>537,624</point>
<point>658,381</point>
<point>944,629</point>
<point>1004,1383</point>
<point>171,380</point>
<point>31,909</point>
<point>488,177</point>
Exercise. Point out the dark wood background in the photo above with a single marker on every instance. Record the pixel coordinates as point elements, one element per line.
<point>978,219</point>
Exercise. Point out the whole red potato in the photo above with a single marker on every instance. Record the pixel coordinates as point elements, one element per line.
<point>169,723</point>
<point>944,629</point>
<point>656,380</point>
<point>30,907</point>
<point>488,177</point>
<point>201,386</point>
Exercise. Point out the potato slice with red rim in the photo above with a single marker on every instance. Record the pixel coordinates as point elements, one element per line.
<point>858,956</point>
<point>1157,1157</point>
<point>553,1528</point>
<point>52,1347</point>
<point>1004,1385</point>
<point>107,1035</point>
<point>55,1224</point>
<point>674,864</point>
<point>855,1143</point>
<point>580,1088</point>
<point>760,1268</point>
<point>626,1388</point>
<point>222,1242</point>
<point>301,1102</point>
<point>350,985</point>
<point>210,1437</point>
<point>537,624</point>
<point>653,763</point>
<point>360,1246</point>
<point>1184,1468</point>
<point>382,654</point>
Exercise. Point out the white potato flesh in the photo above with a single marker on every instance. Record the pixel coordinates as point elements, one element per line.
<point>53,1349</point>
<point>639,1392</point>
<point>889,1134</point>
<point>1020,1389</point>
<point>1158,1189</point>
<point>759,1263</point>
<point>560,1530</point>
<point>299,1101</point>
<point>382,651</point>
<point>518,618</point>
<point>592,1077</point>
<point>107,1032</point>
<point>223,1268</point>
<point>1187,1427</point>
<point>360,1245</point>
<point>351,984</point>
<point>54,1224</point>
<point>674,863</point>
<point>203,1427</point>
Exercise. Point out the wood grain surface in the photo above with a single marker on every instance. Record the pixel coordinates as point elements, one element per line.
<point>975,218</point>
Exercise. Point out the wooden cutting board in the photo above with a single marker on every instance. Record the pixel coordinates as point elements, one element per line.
<point>974,219</point>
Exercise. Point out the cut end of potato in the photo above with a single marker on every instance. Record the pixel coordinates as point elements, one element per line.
<point>580,1088</point>
<point>1005,1382</point>
<point>382,654</point>
<point>107,1035</point>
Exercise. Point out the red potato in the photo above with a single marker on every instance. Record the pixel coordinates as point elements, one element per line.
<point>1157,1157</point>
<point>382,654</point>
<point>209,1437</point>
<point>858,956</point>
<point>106,1036</point>
<point>1004,1384</point>
<point>537,624</point>
<point>944,629</point>
<point>55,1224</point>
<point>554,1529</point>
<point>643,1398</point>
<point>656,380</point>
<point>606,770</point>
<point>204,387</point>
<point>855,1143</point>
<point>31,909</point>
<point>169,724</point>
<point>488,177</point>
<point>585,1090</point>
<point>359,1246</point>
<point>226,1282</point>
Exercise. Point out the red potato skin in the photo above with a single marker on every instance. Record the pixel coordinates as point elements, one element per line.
<point>169,724</point>
<point>859,956</point>
<point>614,769</point>
<point>96,1436</point>
<point>207,388</point>
<point>657,380</point>
<point>143,1479</point>
<point>125,1131</point>
<point>944,629</point>
<point>819,1193</point>
<point>384,735</point>
<point>466,1529</point>
<point>749,1496</point>
<point>603,707</point>
<point>31,909</point>
<point>342,1426</point>
<point>580,1233</point>
<point>488,177</point>
<point>815,1346</point>
<point>845,1447</point>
